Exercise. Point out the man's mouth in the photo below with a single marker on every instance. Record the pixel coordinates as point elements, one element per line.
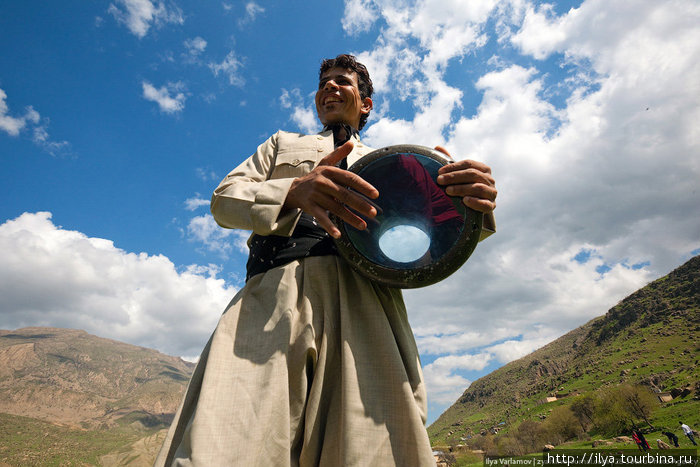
<point>331,100</point>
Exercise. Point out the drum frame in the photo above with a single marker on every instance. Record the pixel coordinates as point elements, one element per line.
<point>416,277</point>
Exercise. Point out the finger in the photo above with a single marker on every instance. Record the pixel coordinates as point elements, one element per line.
<point>466,177</point>
<point>444,151</point>
<point>325,222</point>
<point>475,190</point>
<point>338,155</point>
<point>349,217</point>
<point>479,204</point>
<point>329,205</point>
<point>357,202</point>
<point>352,180</point>
<point>464,165</point>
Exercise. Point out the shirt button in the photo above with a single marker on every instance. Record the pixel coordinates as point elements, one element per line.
<point>296,162</point>
<point>319,138</point>
<point>320,149</point>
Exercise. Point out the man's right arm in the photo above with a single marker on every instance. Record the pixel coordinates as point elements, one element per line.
<point>246,199</point>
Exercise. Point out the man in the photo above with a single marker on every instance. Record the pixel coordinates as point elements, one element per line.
<point>688,432</point>
<point>312,363</point>
<point>672,438</point>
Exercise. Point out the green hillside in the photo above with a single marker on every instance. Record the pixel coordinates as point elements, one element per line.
<point>650,338</point>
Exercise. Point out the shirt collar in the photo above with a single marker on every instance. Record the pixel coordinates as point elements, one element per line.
<point>336,128</point>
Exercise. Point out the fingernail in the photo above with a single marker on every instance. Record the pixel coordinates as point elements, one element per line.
<point>441,179</point>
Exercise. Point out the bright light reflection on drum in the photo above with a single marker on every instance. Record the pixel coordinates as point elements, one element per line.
<point>420,234</point>
<point>404,243</point>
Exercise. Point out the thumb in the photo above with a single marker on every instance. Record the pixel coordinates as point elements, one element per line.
<point>444,151</point>
<point>338,155</point>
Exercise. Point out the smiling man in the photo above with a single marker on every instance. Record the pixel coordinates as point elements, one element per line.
<point>311,363</point>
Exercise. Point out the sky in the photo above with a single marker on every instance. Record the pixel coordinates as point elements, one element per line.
<point>119,118</point>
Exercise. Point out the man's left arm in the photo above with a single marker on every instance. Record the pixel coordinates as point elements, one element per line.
<point>471,180</point>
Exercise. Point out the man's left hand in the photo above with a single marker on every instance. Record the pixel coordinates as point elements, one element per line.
<point>472,180</point>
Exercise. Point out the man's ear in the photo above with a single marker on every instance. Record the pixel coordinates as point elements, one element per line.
<point>367,105</point>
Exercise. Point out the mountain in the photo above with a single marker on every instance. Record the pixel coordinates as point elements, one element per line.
<point>72,377</point>
<point>649,338</point>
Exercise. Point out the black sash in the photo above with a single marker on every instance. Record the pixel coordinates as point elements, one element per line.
<point>308,238</point>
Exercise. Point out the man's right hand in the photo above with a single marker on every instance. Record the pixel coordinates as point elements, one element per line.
<point>327,189</point>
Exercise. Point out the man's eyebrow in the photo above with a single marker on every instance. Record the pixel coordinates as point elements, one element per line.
<point>344,78</point>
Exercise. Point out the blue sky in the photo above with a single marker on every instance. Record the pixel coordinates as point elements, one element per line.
<point>118,119</point>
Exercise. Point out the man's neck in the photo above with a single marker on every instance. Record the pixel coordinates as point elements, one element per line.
<point>341,131</point>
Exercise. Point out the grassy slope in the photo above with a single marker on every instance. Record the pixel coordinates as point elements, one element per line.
<point>649,338</point>
<point>31,442</point>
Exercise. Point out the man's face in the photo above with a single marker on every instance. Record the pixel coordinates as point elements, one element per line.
<point>338,98</point>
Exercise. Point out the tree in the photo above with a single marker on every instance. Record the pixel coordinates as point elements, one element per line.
<point>583,408</point>
<point>638,402</point>
<point>530,436</point>
<point>562,425</point>
<point>610,418</point>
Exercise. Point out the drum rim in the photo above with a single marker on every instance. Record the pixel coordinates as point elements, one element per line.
<point>417,277</point>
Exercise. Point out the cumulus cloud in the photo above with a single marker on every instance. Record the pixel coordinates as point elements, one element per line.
<point>140,15</point>
<point>50,276</point>
<point>230,68</point>
<point>170,98</point>
<point>589,123</point>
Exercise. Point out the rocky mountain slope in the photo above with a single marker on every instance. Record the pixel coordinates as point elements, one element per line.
<point>649,338</point>
<point>74,378</point>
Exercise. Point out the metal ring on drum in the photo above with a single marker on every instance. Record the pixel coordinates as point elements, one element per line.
<point>420,235</point>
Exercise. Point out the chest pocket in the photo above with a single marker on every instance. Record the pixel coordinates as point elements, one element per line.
<point>290,164</point>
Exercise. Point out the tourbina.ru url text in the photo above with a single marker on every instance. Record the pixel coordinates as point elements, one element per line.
<point>569,458</point>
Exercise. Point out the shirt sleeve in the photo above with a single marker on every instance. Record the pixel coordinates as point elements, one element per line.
<point>247,199</point>
<point>488,227</point>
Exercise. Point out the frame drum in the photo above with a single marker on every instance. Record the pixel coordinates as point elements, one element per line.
<point>420,234</point>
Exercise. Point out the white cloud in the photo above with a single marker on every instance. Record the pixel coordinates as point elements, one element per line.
<point>443,383</point>
<point>302,115</point>
<point>305,118</point>
<point>229,67</point>
<point>140,15</point>
<point>359,16</point>
<point>40,137</point>
<point>50,276</point>
<point>30,120</point>
<point>204,229</point>
<point>252,10</point>
<point>206,174</point>
<point>195,46</point>
<point>170,98</point>
<point>192,204</point>
<point>593,140</point>
<point>13,125</point>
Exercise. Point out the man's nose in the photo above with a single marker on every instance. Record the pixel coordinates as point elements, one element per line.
<point>330,85</point>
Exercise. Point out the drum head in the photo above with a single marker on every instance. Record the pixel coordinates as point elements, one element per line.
<point>420,234</point>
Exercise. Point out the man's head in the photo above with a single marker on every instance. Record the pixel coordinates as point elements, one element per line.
<point>344,92</point>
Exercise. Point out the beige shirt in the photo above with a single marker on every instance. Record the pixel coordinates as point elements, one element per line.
<point>252,195</point>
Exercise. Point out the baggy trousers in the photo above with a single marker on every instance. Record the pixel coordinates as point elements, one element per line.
<point>311,365</point>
